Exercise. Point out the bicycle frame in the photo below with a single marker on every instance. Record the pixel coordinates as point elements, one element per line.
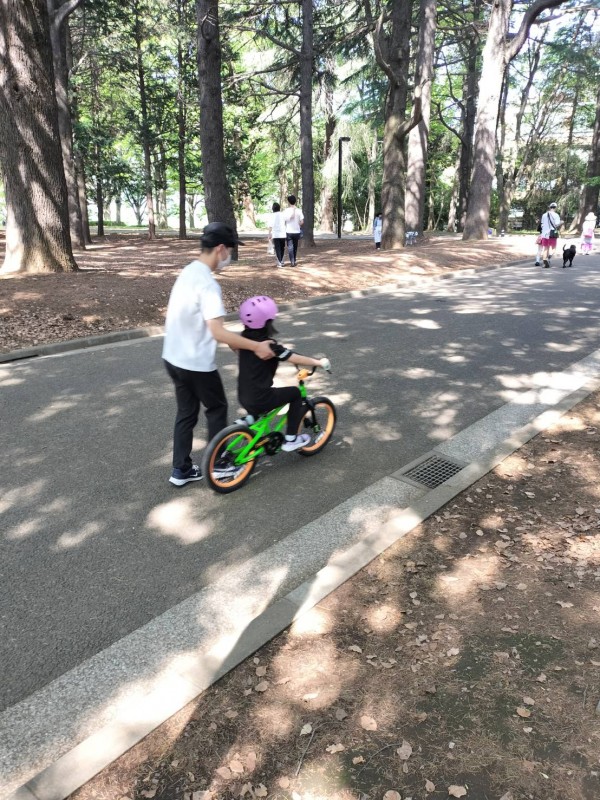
<point>264,426</point>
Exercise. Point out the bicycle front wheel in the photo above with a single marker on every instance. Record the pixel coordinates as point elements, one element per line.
<point>319,422</point>
<point>219,467</point>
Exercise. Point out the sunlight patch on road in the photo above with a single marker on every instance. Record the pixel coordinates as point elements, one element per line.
<point>176,518</point>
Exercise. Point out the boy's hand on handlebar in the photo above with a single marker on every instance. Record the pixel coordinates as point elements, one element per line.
<point>325,364</point>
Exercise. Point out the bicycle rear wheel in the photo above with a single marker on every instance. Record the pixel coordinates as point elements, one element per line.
<point>319,422</point>
<point>220,471</point>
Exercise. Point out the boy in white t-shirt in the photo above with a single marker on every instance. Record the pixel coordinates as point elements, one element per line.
<point>193,326</point>
<point>294,220</point>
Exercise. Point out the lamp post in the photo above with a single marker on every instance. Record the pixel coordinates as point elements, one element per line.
<point>339,198</point>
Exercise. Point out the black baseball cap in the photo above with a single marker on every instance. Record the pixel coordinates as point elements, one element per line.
<point>217,233</point>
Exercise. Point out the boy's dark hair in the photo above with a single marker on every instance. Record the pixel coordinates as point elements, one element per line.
<point>292,199</point>
<point>270,329</point>
<point>276,207</point>
<point>378,213</point>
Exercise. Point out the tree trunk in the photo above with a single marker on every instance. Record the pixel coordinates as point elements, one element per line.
<point>326,221</point>
<point>81,188</point>
<point>490,85</point>
<point>470,94</point>
<point>591,188</point>
<point>37,222</point>
<point>372,210</point>
<point>145,121</point>
<point>503,176</point>
<point>497,54</point>
<point>418,137</point>
<point>118,203</point>
<point>306,122</point>
<point>161,187</point>
<point>181,120</point>
<point>217,194</point>
<point>452,224</point>
<point>393,54</point>
<point>58,40</point>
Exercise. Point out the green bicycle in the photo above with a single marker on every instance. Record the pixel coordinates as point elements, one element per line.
<point>240,445</point>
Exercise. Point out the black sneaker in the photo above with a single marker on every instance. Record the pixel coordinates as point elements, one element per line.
<point>546,263</point>
<point>180,478</point>
<point>537,263</point>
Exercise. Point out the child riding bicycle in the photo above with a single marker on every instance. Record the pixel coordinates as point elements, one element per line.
<point>256,392</point>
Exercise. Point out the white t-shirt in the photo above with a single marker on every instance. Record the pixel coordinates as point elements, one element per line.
<point>549,220</point>
<point>277,225</point>
<point>293,217</point>
<point>195,298</point>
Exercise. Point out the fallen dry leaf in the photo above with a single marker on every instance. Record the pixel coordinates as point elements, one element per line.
<point>335,748</point>
<point>251,761</point>
<point>368,723</point>
<point>246,789</point>
<point>306,729</point>
<point>310,696</point>
<point>457,791</point>
<point>149,793</point>
<point>231,714</point>
<point>261,672</point>
<point>454,651</point>
<point>429,786</point>
<point>358,760</point>
<point>236,767</point>
<point>355,648</point>
<point>507,796</point>
<point>224,772</point>
<point>284,782</point>
<point>340,714</point>
<point>261,790</point>
<point>529,701</point>
<point>262,686</point>
<point>541,678</point>
<point>523,712</point>
<point>404,751</point>
<point>564,605</point>
<point>392,795</point>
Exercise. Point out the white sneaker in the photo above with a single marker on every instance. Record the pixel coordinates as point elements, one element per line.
<point>300,441</point>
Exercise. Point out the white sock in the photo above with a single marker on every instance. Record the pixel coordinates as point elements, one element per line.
<point>290,438</point>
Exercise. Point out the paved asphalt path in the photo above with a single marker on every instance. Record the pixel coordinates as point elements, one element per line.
<point>94,542</point>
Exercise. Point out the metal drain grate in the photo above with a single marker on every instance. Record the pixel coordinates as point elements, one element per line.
<point>432,472</point>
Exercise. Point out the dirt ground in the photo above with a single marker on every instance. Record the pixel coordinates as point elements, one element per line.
<point>125,280</point>
<point>465,661</point>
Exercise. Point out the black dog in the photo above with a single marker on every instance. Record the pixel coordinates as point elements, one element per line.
<point>568,255</point>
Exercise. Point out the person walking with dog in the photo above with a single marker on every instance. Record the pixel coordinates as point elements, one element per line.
<point>551,223</point>
<point>587,234</point>
<point>294,220</point>
<point>193,326</point>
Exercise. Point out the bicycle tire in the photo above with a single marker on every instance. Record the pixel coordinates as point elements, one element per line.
<point>327,416</point>
<point>215,450</point>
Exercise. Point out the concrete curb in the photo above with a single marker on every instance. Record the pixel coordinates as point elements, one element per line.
<point>99,340</point>
<point>100,749</point>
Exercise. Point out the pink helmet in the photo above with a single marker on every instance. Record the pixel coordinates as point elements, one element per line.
<point>255,312</point>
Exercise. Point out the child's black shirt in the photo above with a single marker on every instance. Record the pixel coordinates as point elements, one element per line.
<point>255,378</point>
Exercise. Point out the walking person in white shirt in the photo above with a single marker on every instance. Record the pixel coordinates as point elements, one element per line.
<point>294,220</point>
<point>550,222</point>
<point>193,326</point>
<point>277,233</point>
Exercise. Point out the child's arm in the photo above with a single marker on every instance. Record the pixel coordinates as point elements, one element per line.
<point>308,361</point>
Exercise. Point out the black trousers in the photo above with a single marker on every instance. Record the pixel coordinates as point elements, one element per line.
<point>292,245</point>
<point>280,396</point>
<point>191,390</point>
<point>279,245</point>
